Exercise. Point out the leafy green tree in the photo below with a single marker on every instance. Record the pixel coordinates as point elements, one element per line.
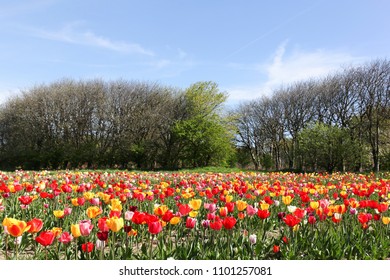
<point>327,147</point>
<point>204,132</point>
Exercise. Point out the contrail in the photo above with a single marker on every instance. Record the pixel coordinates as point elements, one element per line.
<point>277,27</point>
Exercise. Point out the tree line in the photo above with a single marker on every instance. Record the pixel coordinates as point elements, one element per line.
<point>117,124</point>
<point>339,122</point>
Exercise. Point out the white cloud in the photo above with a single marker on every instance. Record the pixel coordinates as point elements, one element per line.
<point>288,67</point>
<point>301,65</point>
<point>71,33</point>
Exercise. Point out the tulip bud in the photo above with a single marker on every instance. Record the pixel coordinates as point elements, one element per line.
<point>253,239</point>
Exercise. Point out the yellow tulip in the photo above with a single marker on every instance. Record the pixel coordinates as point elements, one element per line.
<point>56,231</point>
<point>115,224</point>
<point>286,199</point>
<point>75,230</point>
<point>264,206</point>
<point>88,195</point>
<point>59,213</point>
<point>105,197</point>
<point>241,205</point>
<point>386,220</point>
<point>229,198</point>
<point>193,214</point>
<point>175,220</point>
<point>116,205</point>
<point>195,204</point>
<point>314,205</point>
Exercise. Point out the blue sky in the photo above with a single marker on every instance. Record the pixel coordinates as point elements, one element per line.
<point>247,47</point>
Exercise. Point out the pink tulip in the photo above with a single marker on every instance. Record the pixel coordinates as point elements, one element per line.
<point>67,211</point>
<point>65,238</point>
<point>212,207</point>
<point>95,201</point>
<point>250,210</point>
<point>129,215</point>
<point>85,227</point>
<point>190,222</point>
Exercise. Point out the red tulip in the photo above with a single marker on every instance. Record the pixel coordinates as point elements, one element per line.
<point>45,238</point>
<point>102,224</point>
<point>154,227</point>
<point>138,218</point>
<point>311,220</point>
<point>167,216</point>
<point>149,218</point>
<point>363,218</point>
<point>263,214</point>
<point>276,249</point>
<point>87,247</point>
<point>229,222</point>
<point>35,225</point>
<point>25,200</point>
<point>102,235</point>
<point>216,224</point>
<point>299,213</point>
<point>382,207</point>
<point>230,206</point>
<point>80,201</point>
<point>190,222</point>
<point>184,209</point>
<point>291,220</point>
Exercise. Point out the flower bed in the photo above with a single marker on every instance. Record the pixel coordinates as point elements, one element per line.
<point>129,215</point>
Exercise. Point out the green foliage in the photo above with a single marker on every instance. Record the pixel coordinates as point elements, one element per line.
<point>204,135</point>
<point>326,147</point>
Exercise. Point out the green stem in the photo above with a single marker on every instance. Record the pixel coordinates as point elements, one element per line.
<point>75,250</point>
<point>151,247</point>
<point>16,250</point>
<point>102,253</point>
<point>6,247</point>
<point>112,246</point>
<point>229,244</point>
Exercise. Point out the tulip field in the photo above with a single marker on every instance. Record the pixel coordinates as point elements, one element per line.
<point>121,215</point>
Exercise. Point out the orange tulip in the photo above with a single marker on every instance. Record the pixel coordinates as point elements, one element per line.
<point>56,231</point>
<point>160,210</point>
<point>93,211</point>
<point>15,227</point>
